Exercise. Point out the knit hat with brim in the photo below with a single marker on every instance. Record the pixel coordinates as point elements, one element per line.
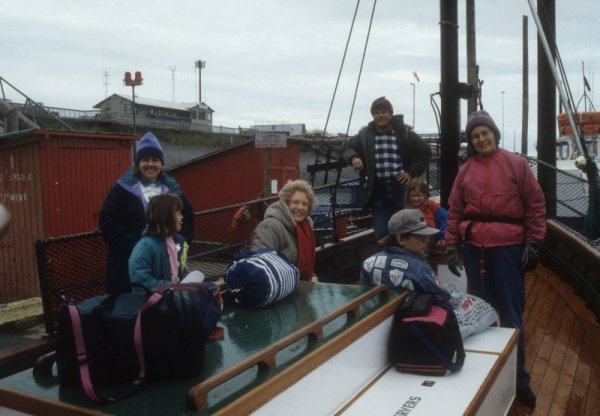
<point>382,103</point>
<point>481,118</point>
<point>149,146</point>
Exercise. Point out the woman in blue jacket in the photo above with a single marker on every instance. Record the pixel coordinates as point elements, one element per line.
<point>123,213</point>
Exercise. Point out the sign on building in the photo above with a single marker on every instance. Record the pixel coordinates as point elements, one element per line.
<point>268,139</point>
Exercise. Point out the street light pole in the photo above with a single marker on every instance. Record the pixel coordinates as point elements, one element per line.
<point>172,68</point>
<point>200,64</point>
<point>502,118</point>
<point>133,82</point>
<point>413,104</point>
<point>415,76</point>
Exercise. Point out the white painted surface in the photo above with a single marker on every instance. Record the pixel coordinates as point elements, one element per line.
<point>335,383</point>
<point>9,412</point>
<point>491,340</point>
<point>502,393</point>
<point>326,389</point>
<point>409,394</point>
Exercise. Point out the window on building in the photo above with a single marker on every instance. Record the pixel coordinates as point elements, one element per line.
<point>128,109</point>
<point>562,150</point>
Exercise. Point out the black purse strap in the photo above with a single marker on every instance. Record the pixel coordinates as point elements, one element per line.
<point>460,349</point>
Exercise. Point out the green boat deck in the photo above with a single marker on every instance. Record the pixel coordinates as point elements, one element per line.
<point>257,343</point>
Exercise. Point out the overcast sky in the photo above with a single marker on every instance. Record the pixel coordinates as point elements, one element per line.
<point>271,61</point>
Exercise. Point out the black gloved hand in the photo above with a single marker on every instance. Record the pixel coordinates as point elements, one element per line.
<point>454,262</point>
<point>530,255</point>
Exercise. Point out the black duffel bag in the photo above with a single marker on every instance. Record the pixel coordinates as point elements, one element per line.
<point>110,344</point>
<point>425,337</point>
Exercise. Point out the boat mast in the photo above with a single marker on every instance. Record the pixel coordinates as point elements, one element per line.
<point>525,108</point>
<point>546,102</point>
<point>450,102</point>
<point>472,72</point>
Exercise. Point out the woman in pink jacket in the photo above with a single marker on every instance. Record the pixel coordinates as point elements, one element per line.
<point>498,216</point>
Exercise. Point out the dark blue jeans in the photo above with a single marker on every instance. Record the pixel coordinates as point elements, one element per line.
<point>387,200</point>
<point>500,281</point>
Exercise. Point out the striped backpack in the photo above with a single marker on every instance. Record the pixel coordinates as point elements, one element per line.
<point>260,278</point>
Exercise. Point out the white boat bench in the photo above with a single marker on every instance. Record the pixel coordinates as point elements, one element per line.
<point>359,381</point>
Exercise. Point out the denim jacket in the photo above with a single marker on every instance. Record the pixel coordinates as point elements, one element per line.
<point>399,268</point>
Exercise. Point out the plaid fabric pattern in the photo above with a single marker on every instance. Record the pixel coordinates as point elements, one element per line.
<point>387,159</point>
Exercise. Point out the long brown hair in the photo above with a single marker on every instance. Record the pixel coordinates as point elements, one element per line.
<point>161,215</point>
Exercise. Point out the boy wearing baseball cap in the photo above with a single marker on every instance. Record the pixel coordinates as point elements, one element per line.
<point>402,263</point>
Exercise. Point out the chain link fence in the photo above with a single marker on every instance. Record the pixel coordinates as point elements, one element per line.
<point>570,203</point>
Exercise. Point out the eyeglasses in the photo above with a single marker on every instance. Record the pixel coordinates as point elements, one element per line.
<point>484,134</point>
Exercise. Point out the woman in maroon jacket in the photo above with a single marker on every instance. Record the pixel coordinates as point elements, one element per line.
<point>498,215</point>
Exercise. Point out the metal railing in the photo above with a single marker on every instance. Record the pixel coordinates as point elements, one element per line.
<point>39,110</point>
<point>169,123</point>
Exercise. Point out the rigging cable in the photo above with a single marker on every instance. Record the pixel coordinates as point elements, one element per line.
<point>333,197</point>
<point>362,62</point>
<point>558,81</point>
<point>337,83</point>
<point>339,169</point>
<point>592,217</point>
<point>436,111</point>
<point>586,89</point>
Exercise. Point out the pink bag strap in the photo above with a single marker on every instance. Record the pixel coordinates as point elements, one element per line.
<point>82,357</point>
<point>137,335</point>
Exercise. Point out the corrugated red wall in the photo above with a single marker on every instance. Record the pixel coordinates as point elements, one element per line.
<point>77,174</point>
<point>20,191</point>
<point>53,183</point>
<point>230,177</point>
<point>234,176</point>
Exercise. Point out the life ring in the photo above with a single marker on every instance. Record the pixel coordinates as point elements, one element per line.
<point>241,217</point>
